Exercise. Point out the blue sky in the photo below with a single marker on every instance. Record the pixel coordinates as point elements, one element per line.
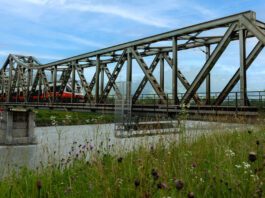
<point>56,29</point>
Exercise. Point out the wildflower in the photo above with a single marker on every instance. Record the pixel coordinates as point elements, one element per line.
<point>155,174</point>
<point>136,182</point>
<point>161,185</point>
<point>246,165</point>
<point>120,159</point>
<point>201,180</point>
<point>68,117</point>
<point>39,184</point>
<point>252,156</point>
<point>91,147</point>
<point>229,153</point>
<point>52,117</point>
<point>238,166</point>
<point>194,165</point>
<point>254,177</point>
<point>191,195</point>
<point>152,148</point>
<point>259,192</point>
<point>179,184</point>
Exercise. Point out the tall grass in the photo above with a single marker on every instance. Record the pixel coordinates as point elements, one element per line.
<point>216,165</point>
<point>47,118</point>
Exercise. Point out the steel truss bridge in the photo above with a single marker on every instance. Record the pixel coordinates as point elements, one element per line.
<point>24,75</point>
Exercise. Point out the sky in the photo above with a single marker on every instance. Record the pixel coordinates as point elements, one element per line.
<point>57,29</point>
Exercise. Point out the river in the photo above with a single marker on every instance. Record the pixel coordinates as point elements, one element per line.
<point>54,143</point>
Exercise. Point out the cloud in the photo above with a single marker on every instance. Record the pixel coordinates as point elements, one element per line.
<point>82,41</point>
<point>142,15</point>
<point>5,53</point>
<point>120,12</point>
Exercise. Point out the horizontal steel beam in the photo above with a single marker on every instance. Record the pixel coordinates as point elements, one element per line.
<point>222,22</point>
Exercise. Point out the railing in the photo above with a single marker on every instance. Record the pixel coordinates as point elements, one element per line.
<point>254,99</point>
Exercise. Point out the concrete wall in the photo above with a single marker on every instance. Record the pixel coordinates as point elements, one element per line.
<point>17,127</point>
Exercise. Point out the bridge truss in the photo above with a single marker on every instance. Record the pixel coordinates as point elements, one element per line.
<point>24,75</point>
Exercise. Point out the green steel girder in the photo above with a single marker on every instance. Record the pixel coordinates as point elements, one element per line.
<point>183,80</point>
<point>209,64</point>
<point>147,71</point>
<point>145,79</point>
<point>190,37</point>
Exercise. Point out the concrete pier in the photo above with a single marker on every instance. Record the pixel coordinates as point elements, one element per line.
<point>17,127</point>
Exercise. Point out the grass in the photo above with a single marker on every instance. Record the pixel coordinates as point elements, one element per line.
<point>52,117</point>
<point>216,165</point>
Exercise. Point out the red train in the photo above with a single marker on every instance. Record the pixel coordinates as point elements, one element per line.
<point>36,96</point>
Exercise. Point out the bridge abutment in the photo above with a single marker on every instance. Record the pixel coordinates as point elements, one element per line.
<point>17,127</point>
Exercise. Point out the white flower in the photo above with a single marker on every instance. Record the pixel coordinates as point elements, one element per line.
<point>229,153</point>
<point>255,177</point>
<point>238,166</point>
<point>246,165</point>
<point>52,117</point>
<point>68,117</point>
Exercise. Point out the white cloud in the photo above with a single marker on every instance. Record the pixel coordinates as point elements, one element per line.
<point>120,12</point>
<point>5,53</point>
<point>81,41</point>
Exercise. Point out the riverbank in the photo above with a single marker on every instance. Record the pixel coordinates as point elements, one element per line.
<point>227,163</point>
<point>53,117</point>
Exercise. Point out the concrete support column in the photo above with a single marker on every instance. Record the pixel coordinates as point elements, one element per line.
<point>8,127</point>
<point>162,71</point>
<point>208,78</point>
<point>17,127</point>
<point>243,75</point>
<point>174,71</point>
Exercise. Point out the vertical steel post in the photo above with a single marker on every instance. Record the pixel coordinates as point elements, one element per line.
<point>31,77</point>
<point>51,75</point>
<point>208,78</point>
<point>175,70</point>
<point>3,83</point>
<point>54,83</point>
<point>28,85</point>
<point>102,79</point>
<point>243,80</point>
<point>10,79</point>
<point>18,82</point>
<point>162,71</point>
<point>39,92</point>
<point>129,74</point>
<point>73,81</point>
<point>97,79</point>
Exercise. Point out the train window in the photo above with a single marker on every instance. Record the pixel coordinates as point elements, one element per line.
<point>68,89</point>
<point>78,90</point>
